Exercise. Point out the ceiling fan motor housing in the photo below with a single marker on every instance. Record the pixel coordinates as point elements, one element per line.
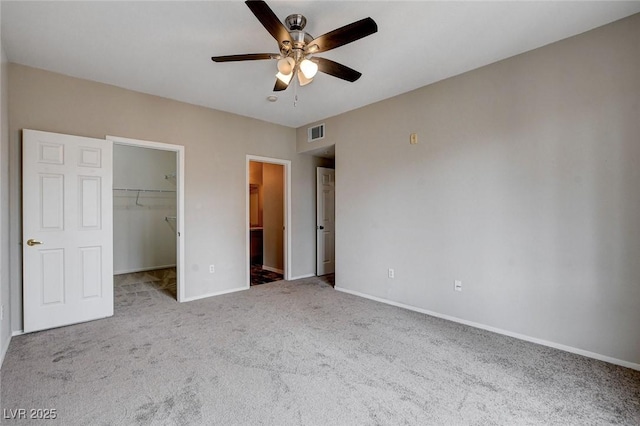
<point>299,38</point>
<point>295,22</point>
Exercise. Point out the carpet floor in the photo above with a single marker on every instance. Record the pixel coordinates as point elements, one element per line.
<point>301,353</point>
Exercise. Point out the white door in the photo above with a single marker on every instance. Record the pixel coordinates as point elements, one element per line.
<point>67,229</point>
<point>325,220</point>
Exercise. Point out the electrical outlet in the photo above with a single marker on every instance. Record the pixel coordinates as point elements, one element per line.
<point>392,273</point>
<point>212,269</point>
<point>457,285</point>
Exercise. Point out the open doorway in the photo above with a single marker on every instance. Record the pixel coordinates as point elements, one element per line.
<point>325,213</point>
<point>267,220</point>
<point>325,223</point>
<point>148,206</point>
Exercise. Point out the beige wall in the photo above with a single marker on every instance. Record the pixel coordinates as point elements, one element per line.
<point>216,145</point>
<point>525,185</point>
<point>5,323</point>
<point>273,215</point>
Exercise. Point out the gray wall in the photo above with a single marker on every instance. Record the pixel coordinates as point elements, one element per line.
<point>5,324</point>
<point>525,185</point>
<point>142,238</point>
<point>216,145</point>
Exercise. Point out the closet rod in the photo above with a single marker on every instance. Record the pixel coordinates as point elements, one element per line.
<point>143,190</point>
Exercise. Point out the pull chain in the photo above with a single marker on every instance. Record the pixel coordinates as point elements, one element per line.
<point>295,94</point>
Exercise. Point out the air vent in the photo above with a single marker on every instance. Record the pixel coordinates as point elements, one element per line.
<point>315,133</point>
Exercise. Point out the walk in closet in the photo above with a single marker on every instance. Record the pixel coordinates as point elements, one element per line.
<point>144,204</point>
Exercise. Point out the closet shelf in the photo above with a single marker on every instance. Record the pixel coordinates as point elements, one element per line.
<point>143,190</point>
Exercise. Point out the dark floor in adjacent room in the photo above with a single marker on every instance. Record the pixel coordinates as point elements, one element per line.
<point>263,276</point>
<point>142,284</point>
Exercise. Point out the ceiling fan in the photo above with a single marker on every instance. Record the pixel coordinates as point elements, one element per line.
<point>297,47</point>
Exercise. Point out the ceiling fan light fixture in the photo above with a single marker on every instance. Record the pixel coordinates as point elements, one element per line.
<point>303,80</point>
<point>285,78</point>
<point>308,68</point>
<point>285,65</point>
<point>296,47</point>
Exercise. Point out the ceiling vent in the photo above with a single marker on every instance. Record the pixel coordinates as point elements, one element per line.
<point>315,133</point>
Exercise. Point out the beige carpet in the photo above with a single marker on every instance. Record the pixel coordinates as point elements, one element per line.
<point>301,353</point>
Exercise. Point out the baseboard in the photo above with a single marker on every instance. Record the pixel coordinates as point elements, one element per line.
<point>4,351</point>
<point>299,277</point>
<point>218,293</point>
<point>588,354</point>
<point>151,268</point>
<point>269,268</point>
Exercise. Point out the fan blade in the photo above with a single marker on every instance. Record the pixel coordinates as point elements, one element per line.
<point>335,69</point>
<point>247,57</point>
<point>269,20</point>
<point>280,86</point>
<point>344,35</point>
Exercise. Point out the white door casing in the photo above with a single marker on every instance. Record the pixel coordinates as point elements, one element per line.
<point>67,229</point>
<point>325,220</point>
<point>180,221</point>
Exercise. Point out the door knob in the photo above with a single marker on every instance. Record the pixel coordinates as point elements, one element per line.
<point>33,242</point>
<point>320,227</point>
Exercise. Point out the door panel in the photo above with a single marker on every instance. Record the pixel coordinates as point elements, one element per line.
<point>51,191</point>
<point>90,206</point>
<point>67,229</point>
<point>51,153</point>
<point>52,282</point>
<point>91,267</point>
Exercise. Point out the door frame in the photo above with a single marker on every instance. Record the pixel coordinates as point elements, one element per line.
<point>287,213</point>
<point>180,169</point>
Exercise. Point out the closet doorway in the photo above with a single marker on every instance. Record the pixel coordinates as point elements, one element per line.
<point>267,220</point>
<point>148,207</point>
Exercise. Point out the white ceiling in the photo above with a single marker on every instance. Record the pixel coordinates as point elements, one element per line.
<point>164,48</point>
